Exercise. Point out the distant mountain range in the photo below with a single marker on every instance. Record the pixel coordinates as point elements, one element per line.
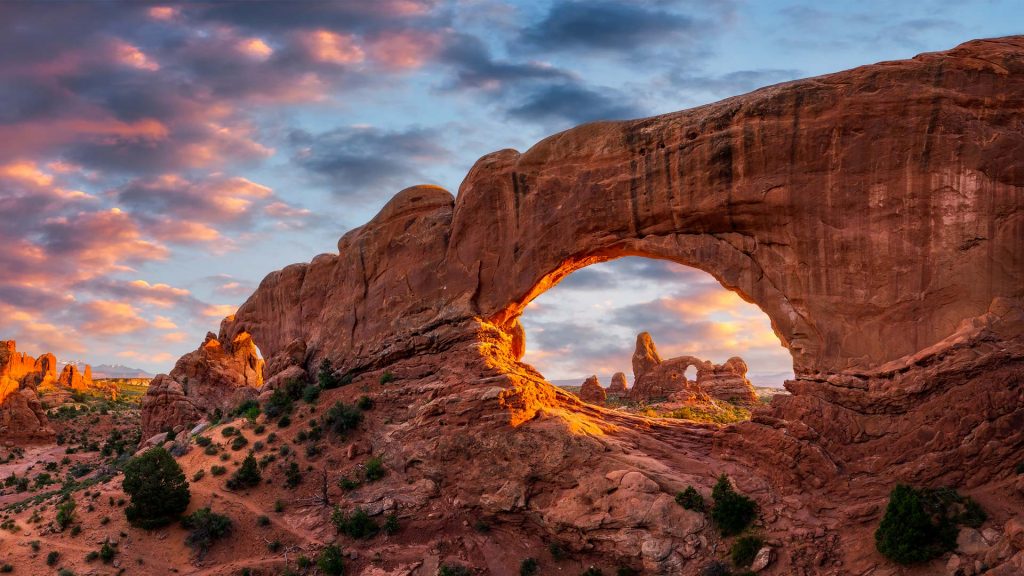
<point>101,371</point>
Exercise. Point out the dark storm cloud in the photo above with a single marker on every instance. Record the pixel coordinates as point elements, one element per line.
<point>357,161</point>
<point>604,25</point>
<point>353,15</point>
<point>574,103</point>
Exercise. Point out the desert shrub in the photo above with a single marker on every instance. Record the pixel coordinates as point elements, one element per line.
<point>203,441</point>
<point>284,422</point>
<point>331,561</point>
<point>6,568</point>
<point>387,378</point>
<point>916,527</point>
<point>690,499</point>
<point>1019,469</point>
<point>274,546</point>
<point>626,571</point>
<point>346,483</point>
<point>292,475</point>
<point>310,394</point>
<point>198,475</point>
<point>247,475</point>
<point>250,410</point>
<point>453,570</point>
<point>356,524</point>
<point>592,571</point>
<point>340,418</point>
<point>263,521</point>
<point>238,443</point>
<point>972,514</point>
<point>259,429</point>
<point>52,558</point>
<point>327,377</point>
<point>529,567</point>
<point>364,403</point>
<point>374,469</point>
<point>744,549</point>
<point>205,528</point>
<point>557,552</point>
<point>229,431</point>
<point>107,553</point>
<point>66,513</point>
<point>391,524</point>
<point>218,470</point>
<point>732,512</point>
<point>210,451</point>
<point>157,487</point>
<point>65,572</point>
<point>91,556</point>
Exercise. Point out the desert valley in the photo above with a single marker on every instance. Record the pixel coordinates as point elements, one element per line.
<point>369,411</point>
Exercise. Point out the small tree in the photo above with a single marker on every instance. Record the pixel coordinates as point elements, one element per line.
<point>341,418</point>
<point>326,376</point>
<point>157,487</point>
<point>732,512</point>
<point>247,475</point>
<point>330,561</point>
<point>66,513</point>
<point>914,530</point>
<point>690,499</point>
<point>205,528</point>
<point>356,525</point>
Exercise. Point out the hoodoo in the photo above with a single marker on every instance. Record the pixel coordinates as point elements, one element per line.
<point>875,215</point>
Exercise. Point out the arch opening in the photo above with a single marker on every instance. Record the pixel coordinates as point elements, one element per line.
<point>660,337</point>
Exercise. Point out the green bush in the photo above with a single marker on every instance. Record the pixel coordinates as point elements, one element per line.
<point>310,394</point>
<point>107,553</point>
<point>66,513</point>
<point>327,377</point>
<point>453,570</point>
<point>238,443</point>
<point>218,470</point>
<point>205,528</point>
<point>690,499</point>
<point>157,487</point>
<point>247,475</point>
<point>52,558</point>
<point>356,524</point>
<point>732,512</point>
<point>592,571</point>
<point>387,378</point>
<point>529,567</point>
<point>203,441</point>
<point>341,419</point>
<point>292,475</point>
<point>330,561</point>
<point>391,524</point>
<point>374,469</point>
<point>916,527</point>
<point>744,550</point>
<point>365,403</point>
<point>199,475</point>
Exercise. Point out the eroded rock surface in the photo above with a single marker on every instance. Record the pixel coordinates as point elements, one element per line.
<point>21,413</point>
<point>875,215</point>
<point>592,392</point>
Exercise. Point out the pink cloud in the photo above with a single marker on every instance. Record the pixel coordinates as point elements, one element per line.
<point>331,47</point>
<point>404,50</point>
<point>107,318</point>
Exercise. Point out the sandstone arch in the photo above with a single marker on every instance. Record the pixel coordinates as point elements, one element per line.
<point>875,215</point>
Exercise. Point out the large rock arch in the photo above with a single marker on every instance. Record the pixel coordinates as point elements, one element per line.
<point>876,215</point>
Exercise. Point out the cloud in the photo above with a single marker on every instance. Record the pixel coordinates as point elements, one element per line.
<point>609,26</point>
<point>575,104</point>
<point>358,161</point>
<point>732,83</point>
<point>107,317</point>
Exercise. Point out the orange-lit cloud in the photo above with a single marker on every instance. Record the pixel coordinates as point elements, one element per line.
<point>332,48</point>
<point>163,12</point>
<point>404,50</point>
<point>255,48</point>
<point>130,55</point>
<point>106,318</point>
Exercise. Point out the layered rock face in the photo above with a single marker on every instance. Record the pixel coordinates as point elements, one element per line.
<point>875,215</point>
<point>592,392</point>
<point>220,375</point>
<point>21,413</point>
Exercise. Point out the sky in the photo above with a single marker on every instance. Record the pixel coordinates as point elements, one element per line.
<point>158,159</point>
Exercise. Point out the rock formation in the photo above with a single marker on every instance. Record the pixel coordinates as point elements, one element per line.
<point>220,375</point>
<point>618,387</point>
<point>875,215</point>
<point>72,379</point>
<point>21,413</point>
<point>654,378</point>
<point>592,392</point>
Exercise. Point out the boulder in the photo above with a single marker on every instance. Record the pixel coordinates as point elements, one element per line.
<point>592,392</point>
<point>618,386</point>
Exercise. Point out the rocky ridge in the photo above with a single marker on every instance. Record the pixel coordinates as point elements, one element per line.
<point>875,215</point>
